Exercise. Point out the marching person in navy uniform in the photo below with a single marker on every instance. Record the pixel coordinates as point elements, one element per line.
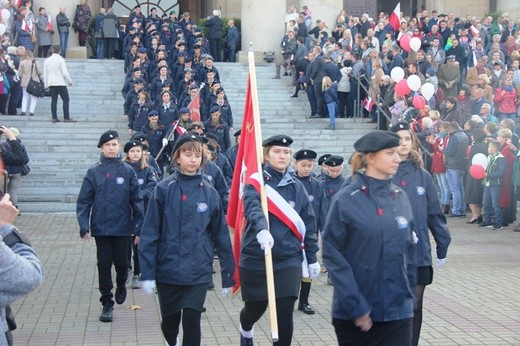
<point>288,244</point>
<point>323,168</point>
<point>184,222</point>
<point>367,241</point>
<point>110,209</point>
<point>147,179</point>
<point>303,172</point>
<point>427,215</point>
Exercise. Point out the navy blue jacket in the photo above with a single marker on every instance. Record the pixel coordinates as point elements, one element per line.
<point>221,130</point>
<point>147,180</point>
<point>315,191</point>
<point>330,187</point>
<point>110,202</point>
<point>366,243</point>
<point>287,251</point>
<point>427,214</point>
<point>184,223</point>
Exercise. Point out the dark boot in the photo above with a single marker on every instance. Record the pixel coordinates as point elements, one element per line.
<point>303,305</point>
<point>106,314</point>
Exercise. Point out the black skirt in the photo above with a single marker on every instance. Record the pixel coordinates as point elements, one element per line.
<point>174,298</point>
<point>424,275</point>
<point>254,283</point>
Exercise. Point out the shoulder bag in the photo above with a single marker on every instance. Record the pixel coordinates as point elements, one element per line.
<point>35,88</point>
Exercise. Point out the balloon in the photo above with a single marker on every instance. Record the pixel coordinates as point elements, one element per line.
<point>397,74</point>
<point>5,14</point>
<point>401,88</point>
<point>405,42</point>
<point>419,102</point>
<point>427,90</point>
<point>414,82</point>
<point>2,29</point>
<point>415,43</point>
<point>477,171</point>
<point>480,159</point>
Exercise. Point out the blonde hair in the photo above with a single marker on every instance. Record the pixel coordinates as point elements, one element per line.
<point>143,161</point>
<point>15,132</point>
<point>326,83</point>
<point>505,133</point>
<point>434,115</point>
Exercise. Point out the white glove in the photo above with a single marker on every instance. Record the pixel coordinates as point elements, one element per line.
<point>226,291</point>
<point>314,270</point>
<point>164,142</point>
<point>148,286</point>
<point>265,239</point>
<point>414,237</point>
<point>440,262</point>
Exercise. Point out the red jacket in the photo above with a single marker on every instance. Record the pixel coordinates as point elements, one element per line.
<point>505,193</point>
<point>438,165</point>
<point>506,102</point>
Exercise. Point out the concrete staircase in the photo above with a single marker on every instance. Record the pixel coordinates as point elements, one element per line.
<point>61,153</point>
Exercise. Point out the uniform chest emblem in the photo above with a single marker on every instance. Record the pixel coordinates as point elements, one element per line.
<point>401,222</point>
<point>311,198</point>
<point>120,180</point>
<point>202,207</point>
<point>140,181</point>
<point>420,191</point>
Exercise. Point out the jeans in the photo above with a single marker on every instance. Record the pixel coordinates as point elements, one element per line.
<point>332,114</point>
<point>64,94</point>
<point>64,42</point>
<point>455,178</point>
<point>100,48</point>
<point>444,189</point>
<point>491,204</point>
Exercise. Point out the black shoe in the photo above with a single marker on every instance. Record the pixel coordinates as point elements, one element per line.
<point>455,215</point>
<point>106,314</point>
<point>120,294</point>
<point>285,74</point>
<point>22,114</point>
<point>294,95</point>
<point>31,114</point>
<point>246,341</point>
<point>485,225</point>
<point>313,116</point>
<point>472,221</point>
<point>306,308</point>
<point>69,120</point>
<point>203,309</point>
<point>55,120</point>
<point>446,209</point>
<point>497,227</point>
<point>211,286</point>
<point>328,281</point>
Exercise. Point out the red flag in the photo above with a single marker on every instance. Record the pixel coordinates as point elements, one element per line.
<point>194,108</point>
<point>368,103</point>
<point>19,3</point>
<point>395,17</point>
<point>25,26</point>
<point>49,24</point>
<point>246,166</point>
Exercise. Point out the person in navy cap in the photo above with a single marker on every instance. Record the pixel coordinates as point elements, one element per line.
<point>322,166</point>
<point>427,215</point>
<point>367,244</point>
<point>232,152</point>
<point>289,244</point>
<point>303,167</point>
<point>138,112</point>
<point>110,209</point>
<point>218,127</point>
<point>185,221</point>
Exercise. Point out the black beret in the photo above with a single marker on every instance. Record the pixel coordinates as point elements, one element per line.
<point>138,81</point>
<point>139,136</point>
<point>403,125</point>
<point>377,140</point>
<point>280,140</point>
<point>107,136</point>
<point>131,144</point>
<point>208,135</point>
<point>184,110</point>
<point>212,149</point>
<point>142,50</point>
<point>215,109</point>
<point>334,161</point>
<point>185,138</point>
<point>323,158</point>
<point>152,113</point>
<point>237,133</point>
<point>305,154</point>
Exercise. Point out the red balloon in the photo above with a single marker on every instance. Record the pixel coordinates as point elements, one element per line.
<point>405,42</point>
<point>402,88</point>
<point>419,102</point>
<point>477,171</point>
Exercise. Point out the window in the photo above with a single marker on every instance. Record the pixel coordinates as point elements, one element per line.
<point>122,8</point>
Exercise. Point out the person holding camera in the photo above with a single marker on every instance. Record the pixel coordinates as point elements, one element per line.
<point>45,31</point>
<point>20,269</point>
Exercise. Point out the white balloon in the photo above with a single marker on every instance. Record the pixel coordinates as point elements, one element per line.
<point>6,14</point>
<point>414,82</point>
<point>427,91</point>
<point>397,74</point>
<point>2,29</point>
<point>415,43</point>
<point>480,159</point>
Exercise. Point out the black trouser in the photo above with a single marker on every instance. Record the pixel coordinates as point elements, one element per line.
<point>343,110</point>
<point>15,95</point>
<point>4,98</point>
<point>133,254</point>
<point>111,250</point>
<point>320,100</point>
<point>43,51</point>
<point>190,327</point>
<point>252,312</point>
<point>311,95</point>
<point>110,47</point>
<point>215,48</point>
<point>394,333</point>
<point>64,94</point>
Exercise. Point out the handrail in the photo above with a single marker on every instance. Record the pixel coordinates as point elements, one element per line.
<point>376,102</point>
